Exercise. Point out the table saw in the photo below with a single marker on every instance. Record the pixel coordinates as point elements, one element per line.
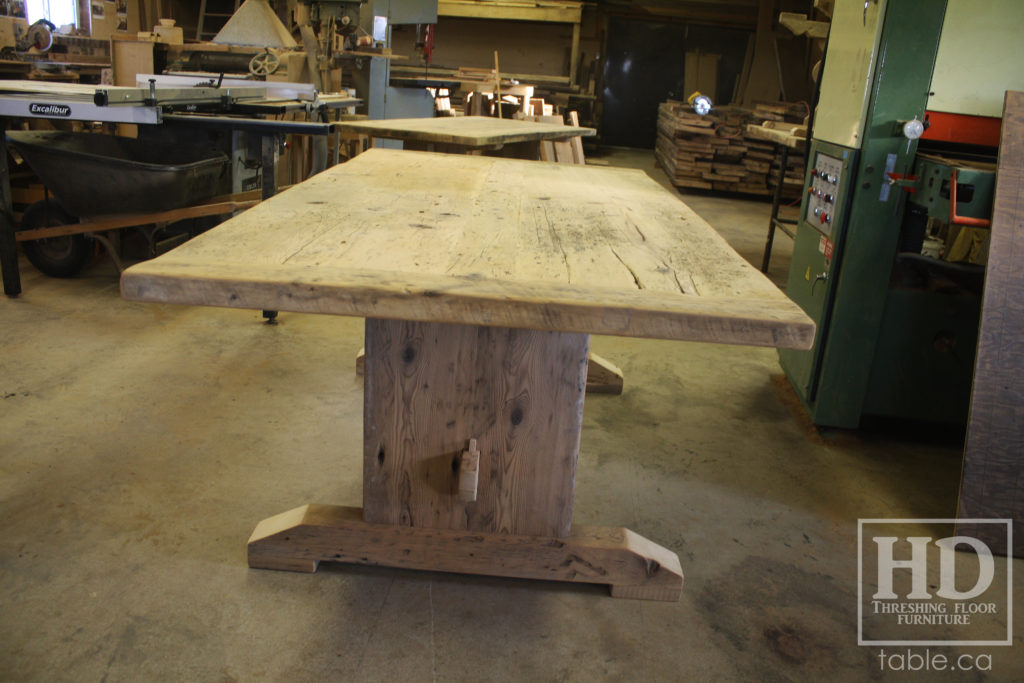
<point>175,111</point>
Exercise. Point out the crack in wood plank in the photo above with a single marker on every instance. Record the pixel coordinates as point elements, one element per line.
<point>683,289</point>
<point>634,226</point>
<point>636,278</point>
<point>302,248</point>
<point>556,238</point>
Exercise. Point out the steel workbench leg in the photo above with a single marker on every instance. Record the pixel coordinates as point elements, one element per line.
<point>268,173</point>
<point>268,184</point>
<point>8,245</point>
<point>335,139</point>
<point>776,200</point>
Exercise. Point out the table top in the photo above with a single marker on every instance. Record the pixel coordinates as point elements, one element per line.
<point>780,136</point>
<point>484,241</point>
<point>471,131</point>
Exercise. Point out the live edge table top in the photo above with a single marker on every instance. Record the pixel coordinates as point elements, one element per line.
<point>481,241</point>
<point>467,131</point>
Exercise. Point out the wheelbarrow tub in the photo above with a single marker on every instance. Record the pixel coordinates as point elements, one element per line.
<point>91,174</point>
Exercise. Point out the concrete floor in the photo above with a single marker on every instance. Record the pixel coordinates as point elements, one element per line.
<point>140,444</point>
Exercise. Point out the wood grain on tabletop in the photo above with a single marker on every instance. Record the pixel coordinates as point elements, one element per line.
<point>486,241</point>
<point>471,131</point>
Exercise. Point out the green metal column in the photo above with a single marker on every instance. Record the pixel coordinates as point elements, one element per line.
<point>867,234</point>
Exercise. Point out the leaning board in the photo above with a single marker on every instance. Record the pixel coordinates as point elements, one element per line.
<point>482,241</point>
<point>992,485</point>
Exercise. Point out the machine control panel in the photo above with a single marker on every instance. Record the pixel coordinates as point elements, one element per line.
<point>822,191</point>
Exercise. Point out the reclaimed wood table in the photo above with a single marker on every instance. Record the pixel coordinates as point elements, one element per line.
<point>481,280</point>
<point>463,134</point>
<point>515,138</point>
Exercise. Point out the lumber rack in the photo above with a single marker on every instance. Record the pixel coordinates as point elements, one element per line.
<point>775,222</point>
<point>784,141</point>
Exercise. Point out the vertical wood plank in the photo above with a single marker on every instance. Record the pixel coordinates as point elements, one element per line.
<point>576,141</point>
<point>574,55</point>
<point>563,152</point>
<point>993,475</point>
<point>268,172</point>
<point>431,387</point>
<point>547,150</point>
<point>129,57</point>
<point>762,82</point>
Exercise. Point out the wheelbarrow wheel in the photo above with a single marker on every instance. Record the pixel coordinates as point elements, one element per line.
<point>62,256</point>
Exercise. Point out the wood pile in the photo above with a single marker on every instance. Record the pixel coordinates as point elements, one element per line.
<point>714,152</point>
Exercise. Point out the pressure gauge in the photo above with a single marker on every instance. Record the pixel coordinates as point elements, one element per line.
<point>914,129</point>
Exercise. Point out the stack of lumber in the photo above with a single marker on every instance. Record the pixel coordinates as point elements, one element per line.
<point>714,152</point>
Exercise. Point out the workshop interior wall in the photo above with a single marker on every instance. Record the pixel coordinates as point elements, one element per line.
<point>526,47</point>
<point>106,17</point>
<point>184,12</point>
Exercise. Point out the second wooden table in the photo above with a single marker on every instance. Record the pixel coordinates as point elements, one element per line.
<point>462,134</point>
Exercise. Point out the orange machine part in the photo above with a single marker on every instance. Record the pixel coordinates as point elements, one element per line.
<point>956,218</point>
<point>962,128</point>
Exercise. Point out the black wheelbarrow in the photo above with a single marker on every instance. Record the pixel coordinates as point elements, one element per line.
<point>92,175</point>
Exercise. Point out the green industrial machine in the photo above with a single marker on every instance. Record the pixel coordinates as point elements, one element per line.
<point>897,323</point>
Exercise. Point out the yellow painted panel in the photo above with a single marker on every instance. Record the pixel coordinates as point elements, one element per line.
<point>979,57</point>
<point>846,83</point>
